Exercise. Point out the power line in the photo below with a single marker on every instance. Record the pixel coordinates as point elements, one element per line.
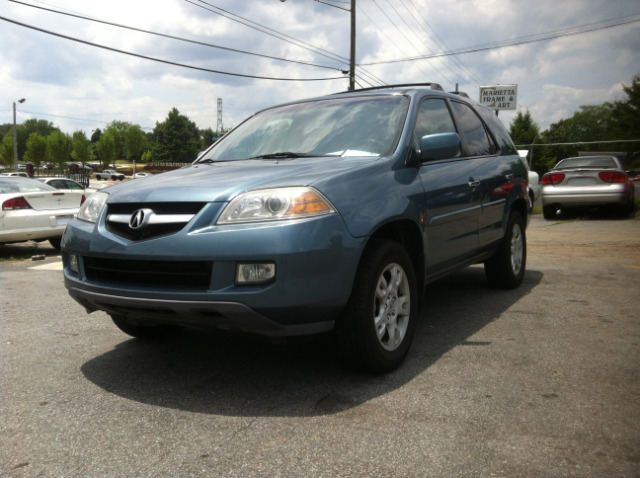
<point>171,37</point>
<point>167,62</point>
<point>279,35</point>
<point>521,41</point>
<point>75,119</point>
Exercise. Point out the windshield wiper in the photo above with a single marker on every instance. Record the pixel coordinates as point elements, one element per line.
<point>289,155</point>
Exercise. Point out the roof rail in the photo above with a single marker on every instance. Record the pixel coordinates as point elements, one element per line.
<point>433,86</point>
<point>460,93</point>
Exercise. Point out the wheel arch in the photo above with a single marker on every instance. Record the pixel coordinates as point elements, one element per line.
<point>408,234</point>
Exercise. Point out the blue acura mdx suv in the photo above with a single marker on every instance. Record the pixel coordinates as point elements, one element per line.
<point>324,215</point>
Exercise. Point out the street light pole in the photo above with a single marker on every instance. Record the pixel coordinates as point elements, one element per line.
<point>15,136</point>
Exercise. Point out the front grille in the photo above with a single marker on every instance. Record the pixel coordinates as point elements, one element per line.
<point>150,231</point>
<point>163,274</point>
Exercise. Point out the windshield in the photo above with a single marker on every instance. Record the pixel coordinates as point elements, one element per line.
<point>364,126</point>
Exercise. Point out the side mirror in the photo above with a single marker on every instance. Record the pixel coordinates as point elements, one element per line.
<point>439,146</point>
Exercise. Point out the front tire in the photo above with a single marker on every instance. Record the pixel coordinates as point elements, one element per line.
<point>505,269</point>
<point>145,331</point>
<point>377,326</point>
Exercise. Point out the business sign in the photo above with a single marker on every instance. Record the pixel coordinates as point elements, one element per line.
<point>499,97</point>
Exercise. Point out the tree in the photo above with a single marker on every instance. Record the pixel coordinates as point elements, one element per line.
<point>36,148</point>
<point>626,121</point>
<point>118,129</point>
<point>523,129</point>
<point>590,124</point>
<point>6,149</point>
<point>43,127</point>
<point>59,148</point>
<point>208,137</point>
<point>135,142</point>
<point>107,148</point>
<point>95,135</point>
<point>177,139</point>
<point>81,147</point>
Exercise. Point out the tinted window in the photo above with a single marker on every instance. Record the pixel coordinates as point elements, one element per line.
<point>587,162</point>
<point>500,133</point>
<point>434,117</point>
<point>472,130</point>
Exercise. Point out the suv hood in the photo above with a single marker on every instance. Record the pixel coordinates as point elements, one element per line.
<point>223,180</point>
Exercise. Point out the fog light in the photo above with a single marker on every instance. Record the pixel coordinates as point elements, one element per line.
<point>73,263</point>
<point>255,273</point>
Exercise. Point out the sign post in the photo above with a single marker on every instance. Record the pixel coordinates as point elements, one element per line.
<point>499,97</point>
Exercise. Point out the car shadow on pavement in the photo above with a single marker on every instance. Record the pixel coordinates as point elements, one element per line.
<point>236,375</point>
<point>27,251</point>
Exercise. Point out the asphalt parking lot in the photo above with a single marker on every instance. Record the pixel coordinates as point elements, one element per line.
<point>543,381</point>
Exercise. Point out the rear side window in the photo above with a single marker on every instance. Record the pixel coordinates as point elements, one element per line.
<point>472,130</point>
<point>499,132</point>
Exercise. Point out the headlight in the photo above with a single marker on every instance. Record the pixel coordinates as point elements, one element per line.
<point>275,205</point>
<point>93,206</point>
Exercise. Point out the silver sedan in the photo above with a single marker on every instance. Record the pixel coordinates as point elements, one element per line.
<point>587,181</point>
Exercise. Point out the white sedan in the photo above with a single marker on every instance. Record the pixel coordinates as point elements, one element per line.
<point>33,211</point>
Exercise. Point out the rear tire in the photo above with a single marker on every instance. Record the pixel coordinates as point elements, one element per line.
<point>505,269</point>
<point>145,331</point>
<point>55,242</point>
<point>377,326</point>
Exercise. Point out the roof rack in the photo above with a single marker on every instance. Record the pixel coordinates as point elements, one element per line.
<point>433,86</point>
<point>460,93</point>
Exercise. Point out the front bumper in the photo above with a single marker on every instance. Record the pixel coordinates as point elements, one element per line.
<point>316,260</point>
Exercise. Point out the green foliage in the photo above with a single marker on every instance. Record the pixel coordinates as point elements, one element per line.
<point>135,142</point>
<point>208,138</point>
<point>523,129</point>
<point>6,149</point>
<point>177,139</point>
<point>95,135</point>
<point>147,156</point>
<point>107,148</point>
<point>81,148</point>
<point>626,121</point>
<point>36,151</point>
<point>59,148</point>
<point>118,129</point>
<point>591,123</point>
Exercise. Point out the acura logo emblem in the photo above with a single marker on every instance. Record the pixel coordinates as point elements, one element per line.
<point>140,218</point>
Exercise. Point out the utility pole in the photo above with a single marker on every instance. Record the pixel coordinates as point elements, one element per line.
<point>352,62</point>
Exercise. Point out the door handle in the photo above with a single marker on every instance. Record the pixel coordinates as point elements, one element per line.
<point>473,183</point>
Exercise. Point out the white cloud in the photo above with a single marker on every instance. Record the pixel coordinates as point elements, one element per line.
<point>78,86</point>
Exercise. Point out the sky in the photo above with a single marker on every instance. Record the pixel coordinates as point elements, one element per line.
<point>235,51</point>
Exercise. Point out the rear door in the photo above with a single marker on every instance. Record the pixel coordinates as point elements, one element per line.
<point>451,188</point>
<point>491,171</point>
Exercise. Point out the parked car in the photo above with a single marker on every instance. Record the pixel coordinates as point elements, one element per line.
<point>585,182</point>
<point>62,183</point>
<point>107,174</point>
<point>35,211</point>
<point>15,174</point>
<point>533,179</point>
<point>142,175</point>
<point>324,215</point>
